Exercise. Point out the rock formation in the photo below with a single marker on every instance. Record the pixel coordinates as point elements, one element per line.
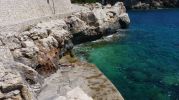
<point>151,4</point>
<point>29,57</point>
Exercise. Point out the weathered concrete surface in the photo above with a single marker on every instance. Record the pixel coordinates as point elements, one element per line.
<point>15,11</point>
<point>18,15</point>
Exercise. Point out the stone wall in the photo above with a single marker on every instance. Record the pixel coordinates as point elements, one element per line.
<point>17,11</point>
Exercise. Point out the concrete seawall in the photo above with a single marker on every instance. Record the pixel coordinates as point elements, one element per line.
<point>14,11</point>
<point>23,25</point>
<point>16,15</point>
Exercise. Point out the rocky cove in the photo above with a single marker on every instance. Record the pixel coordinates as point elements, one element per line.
<point>37,63</point>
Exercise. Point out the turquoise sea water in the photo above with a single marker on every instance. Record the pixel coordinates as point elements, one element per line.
<point>144,65</point>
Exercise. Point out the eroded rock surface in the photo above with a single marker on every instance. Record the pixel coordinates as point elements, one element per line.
<point>29,60</point>
<point>153,4</point>
<point>12,84</point>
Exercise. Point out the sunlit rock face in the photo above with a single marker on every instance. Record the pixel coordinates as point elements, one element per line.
<point>97,21</point>
<point>34,53</point>
<point>12,76</point>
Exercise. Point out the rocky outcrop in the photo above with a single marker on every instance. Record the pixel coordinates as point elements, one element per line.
<point>140,5</point>
<point>33,55</point>
<point>98,21</point>
<point>12,77</point>
<point>152,4</point>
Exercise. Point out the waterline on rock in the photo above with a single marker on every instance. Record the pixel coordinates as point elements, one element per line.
<point>143,65</point>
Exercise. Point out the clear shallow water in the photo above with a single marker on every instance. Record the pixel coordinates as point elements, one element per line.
<point>144,65</point>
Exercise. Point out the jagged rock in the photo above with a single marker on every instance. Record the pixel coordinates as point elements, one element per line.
<point>41,45</point>
<point>28,52</point>
<point>61,35</point>
<point>28,44</point>
<point>28,73</point>
<point>8,78</point>
<point>117,6</point>
<point>47,61</point>
<point>24,36</point>
<point>49,42</point>
<point>98,21</point>
<point>32,62</point>
<point>89,17</point>
<point>152,4</point>
<point>156,4</point>
<point>11,84</point>
<point>141,5</point>
<point>38,33</point>
<point>100,15</point>
<point>75,24</point>
<point>5,55</point>
<point>124,20</point>
<point>11,40</point>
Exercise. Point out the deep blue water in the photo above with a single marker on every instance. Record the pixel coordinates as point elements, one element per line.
<point>144,65</point>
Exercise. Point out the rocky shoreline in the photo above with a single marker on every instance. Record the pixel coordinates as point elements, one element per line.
<point>30,61</point>
<point>153,4</point>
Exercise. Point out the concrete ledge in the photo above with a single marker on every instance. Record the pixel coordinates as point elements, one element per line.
<point>24,24</point>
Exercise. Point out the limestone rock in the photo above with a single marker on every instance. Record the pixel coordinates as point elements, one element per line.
<point>28,73</point>
<point>75,24</point>
<point>98,21</point>
<point>11,84</point>
<point>5,55</point>
<point>61,35</point>
<point>11,40</point>
<point>38,33</point>
<point>88,17</point>
<point>8,78</point>
<point>24,36</point>
<point>124,20</point>
<point>49,42</point>
<point>37,50</point>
